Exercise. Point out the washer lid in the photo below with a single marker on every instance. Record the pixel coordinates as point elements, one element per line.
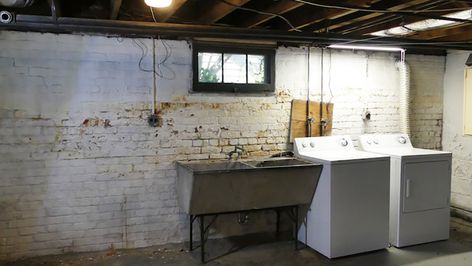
<point>342,157</point>
<point>400,152</point>
<point>398,145</point>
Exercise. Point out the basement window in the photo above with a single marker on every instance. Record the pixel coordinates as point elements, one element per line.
<point>222,68</point>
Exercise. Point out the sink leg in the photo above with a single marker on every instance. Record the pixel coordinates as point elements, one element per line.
<point>277,224</point>
<point>202,239</point>
<point>191,233</point>
<point>296,227</point>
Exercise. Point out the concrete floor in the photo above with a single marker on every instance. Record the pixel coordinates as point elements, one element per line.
<point>262,250</point>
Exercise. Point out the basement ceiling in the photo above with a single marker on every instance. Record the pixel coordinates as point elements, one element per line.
<point>422,20</point>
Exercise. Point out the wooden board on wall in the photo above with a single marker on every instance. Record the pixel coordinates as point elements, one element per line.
<point>298,119</point>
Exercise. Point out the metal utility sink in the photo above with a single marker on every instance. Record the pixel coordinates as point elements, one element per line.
<point>211,187</point>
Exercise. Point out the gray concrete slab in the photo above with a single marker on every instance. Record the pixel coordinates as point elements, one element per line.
<point>264,250</point>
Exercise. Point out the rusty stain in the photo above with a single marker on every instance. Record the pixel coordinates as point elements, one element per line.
<point>107,123</point>
<point>283,96</point>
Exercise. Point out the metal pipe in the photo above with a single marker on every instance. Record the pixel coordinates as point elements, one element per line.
<point>147,29</point>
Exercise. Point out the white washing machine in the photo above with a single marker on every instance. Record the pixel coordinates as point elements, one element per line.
<point>349,211</point>
<point>420,188</point>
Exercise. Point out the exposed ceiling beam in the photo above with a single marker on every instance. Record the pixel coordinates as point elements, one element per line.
<point>444,32</point>
<point>385,22</point>
<point>307,15</point>
<point>163,14</point>
<point>115,6</point>
<point>218,9</point>
<point>360,16</point>
<point>181,31</point>
<point>462,37</point>
<point>279,7</point>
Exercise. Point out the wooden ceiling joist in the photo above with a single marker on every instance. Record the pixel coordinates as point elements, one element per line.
<point>387,21</point>
<point>456,30</point>
<point>216,10</point>
<point>279,7</point>
<point>308,15</point>
<point>361,16</point>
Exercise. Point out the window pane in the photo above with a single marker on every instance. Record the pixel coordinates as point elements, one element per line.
<point>209,67</point>
<point>256,69</point>
<point>234,68</point>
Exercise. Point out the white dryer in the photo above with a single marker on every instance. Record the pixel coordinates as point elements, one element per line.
<point>349,211</point>
<point>420,189</point>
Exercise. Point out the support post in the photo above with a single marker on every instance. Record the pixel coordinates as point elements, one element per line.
<point>277,224</point>
<point>296,227</point>
<point>202,239</point>
<point>191,233</point>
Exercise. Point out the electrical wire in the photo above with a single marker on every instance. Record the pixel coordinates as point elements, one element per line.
<point>352,8</point>
<point>262,13</point>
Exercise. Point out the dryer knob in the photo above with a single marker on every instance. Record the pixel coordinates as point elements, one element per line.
<point>304,145</point>
<point>376,141</point>
<point>312,144</point>
<point>344,142</point>
<point>369,141</point>
<point>402,140</point>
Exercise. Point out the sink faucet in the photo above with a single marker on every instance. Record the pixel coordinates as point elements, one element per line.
<point>237,150</point>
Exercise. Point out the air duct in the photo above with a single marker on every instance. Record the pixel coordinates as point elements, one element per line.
<point>16,3</point>
<point>404,70</point>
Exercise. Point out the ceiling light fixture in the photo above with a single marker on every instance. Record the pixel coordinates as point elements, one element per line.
<point>158,3</point>
<point>367,48</point>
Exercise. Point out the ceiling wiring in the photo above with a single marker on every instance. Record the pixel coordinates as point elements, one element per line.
<point>262,13</point>
<point>354,8</point>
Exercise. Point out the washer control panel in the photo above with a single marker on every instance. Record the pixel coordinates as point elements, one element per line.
<point>381,141</point>
<point>323,144</point>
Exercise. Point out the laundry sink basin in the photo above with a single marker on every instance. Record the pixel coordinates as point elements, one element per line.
<point>210,187</point>
<point>277,163</point>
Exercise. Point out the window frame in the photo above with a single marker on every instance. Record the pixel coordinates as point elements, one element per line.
<point>269,69</point>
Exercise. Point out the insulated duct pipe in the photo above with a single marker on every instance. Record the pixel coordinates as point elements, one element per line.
<point>404,70</point>
<point>17,3</point>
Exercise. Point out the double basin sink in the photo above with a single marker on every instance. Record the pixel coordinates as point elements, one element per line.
<point>211,187</point>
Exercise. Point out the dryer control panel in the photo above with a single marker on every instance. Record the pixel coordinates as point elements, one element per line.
<point>331,143</point>
<point>373,142</point>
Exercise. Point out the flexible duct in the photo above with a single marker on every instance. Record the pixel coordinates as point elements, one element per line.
<point>404,70</point>
<point>16,3</point>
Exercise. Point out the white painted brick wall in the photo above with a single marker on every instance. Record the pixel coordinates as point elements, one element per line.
<point>70,183</point>
<point>453,138</point>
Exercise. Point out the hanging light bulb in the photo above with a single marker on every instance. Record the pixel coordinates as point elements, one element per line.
<point>158,3</point>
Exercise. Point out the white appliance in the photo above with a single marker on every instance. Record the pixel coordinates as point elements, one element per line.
<point>349,211</point>
<point>420,188</point>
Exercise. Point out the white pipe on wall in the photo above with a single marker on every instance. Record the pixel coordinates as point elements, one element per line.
<point>404,70</point>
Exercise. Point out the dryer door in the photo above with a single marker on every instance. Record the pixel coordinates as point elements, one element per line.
<point>426,185</point>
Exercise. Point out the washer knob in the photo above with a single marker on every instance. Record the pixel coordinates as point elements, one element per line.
<point>344,142</point>
<point>312,144</point>
<point>369,141</point>
<point>376,141</point>
<point>304,145</point>
<point>402,140</point>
